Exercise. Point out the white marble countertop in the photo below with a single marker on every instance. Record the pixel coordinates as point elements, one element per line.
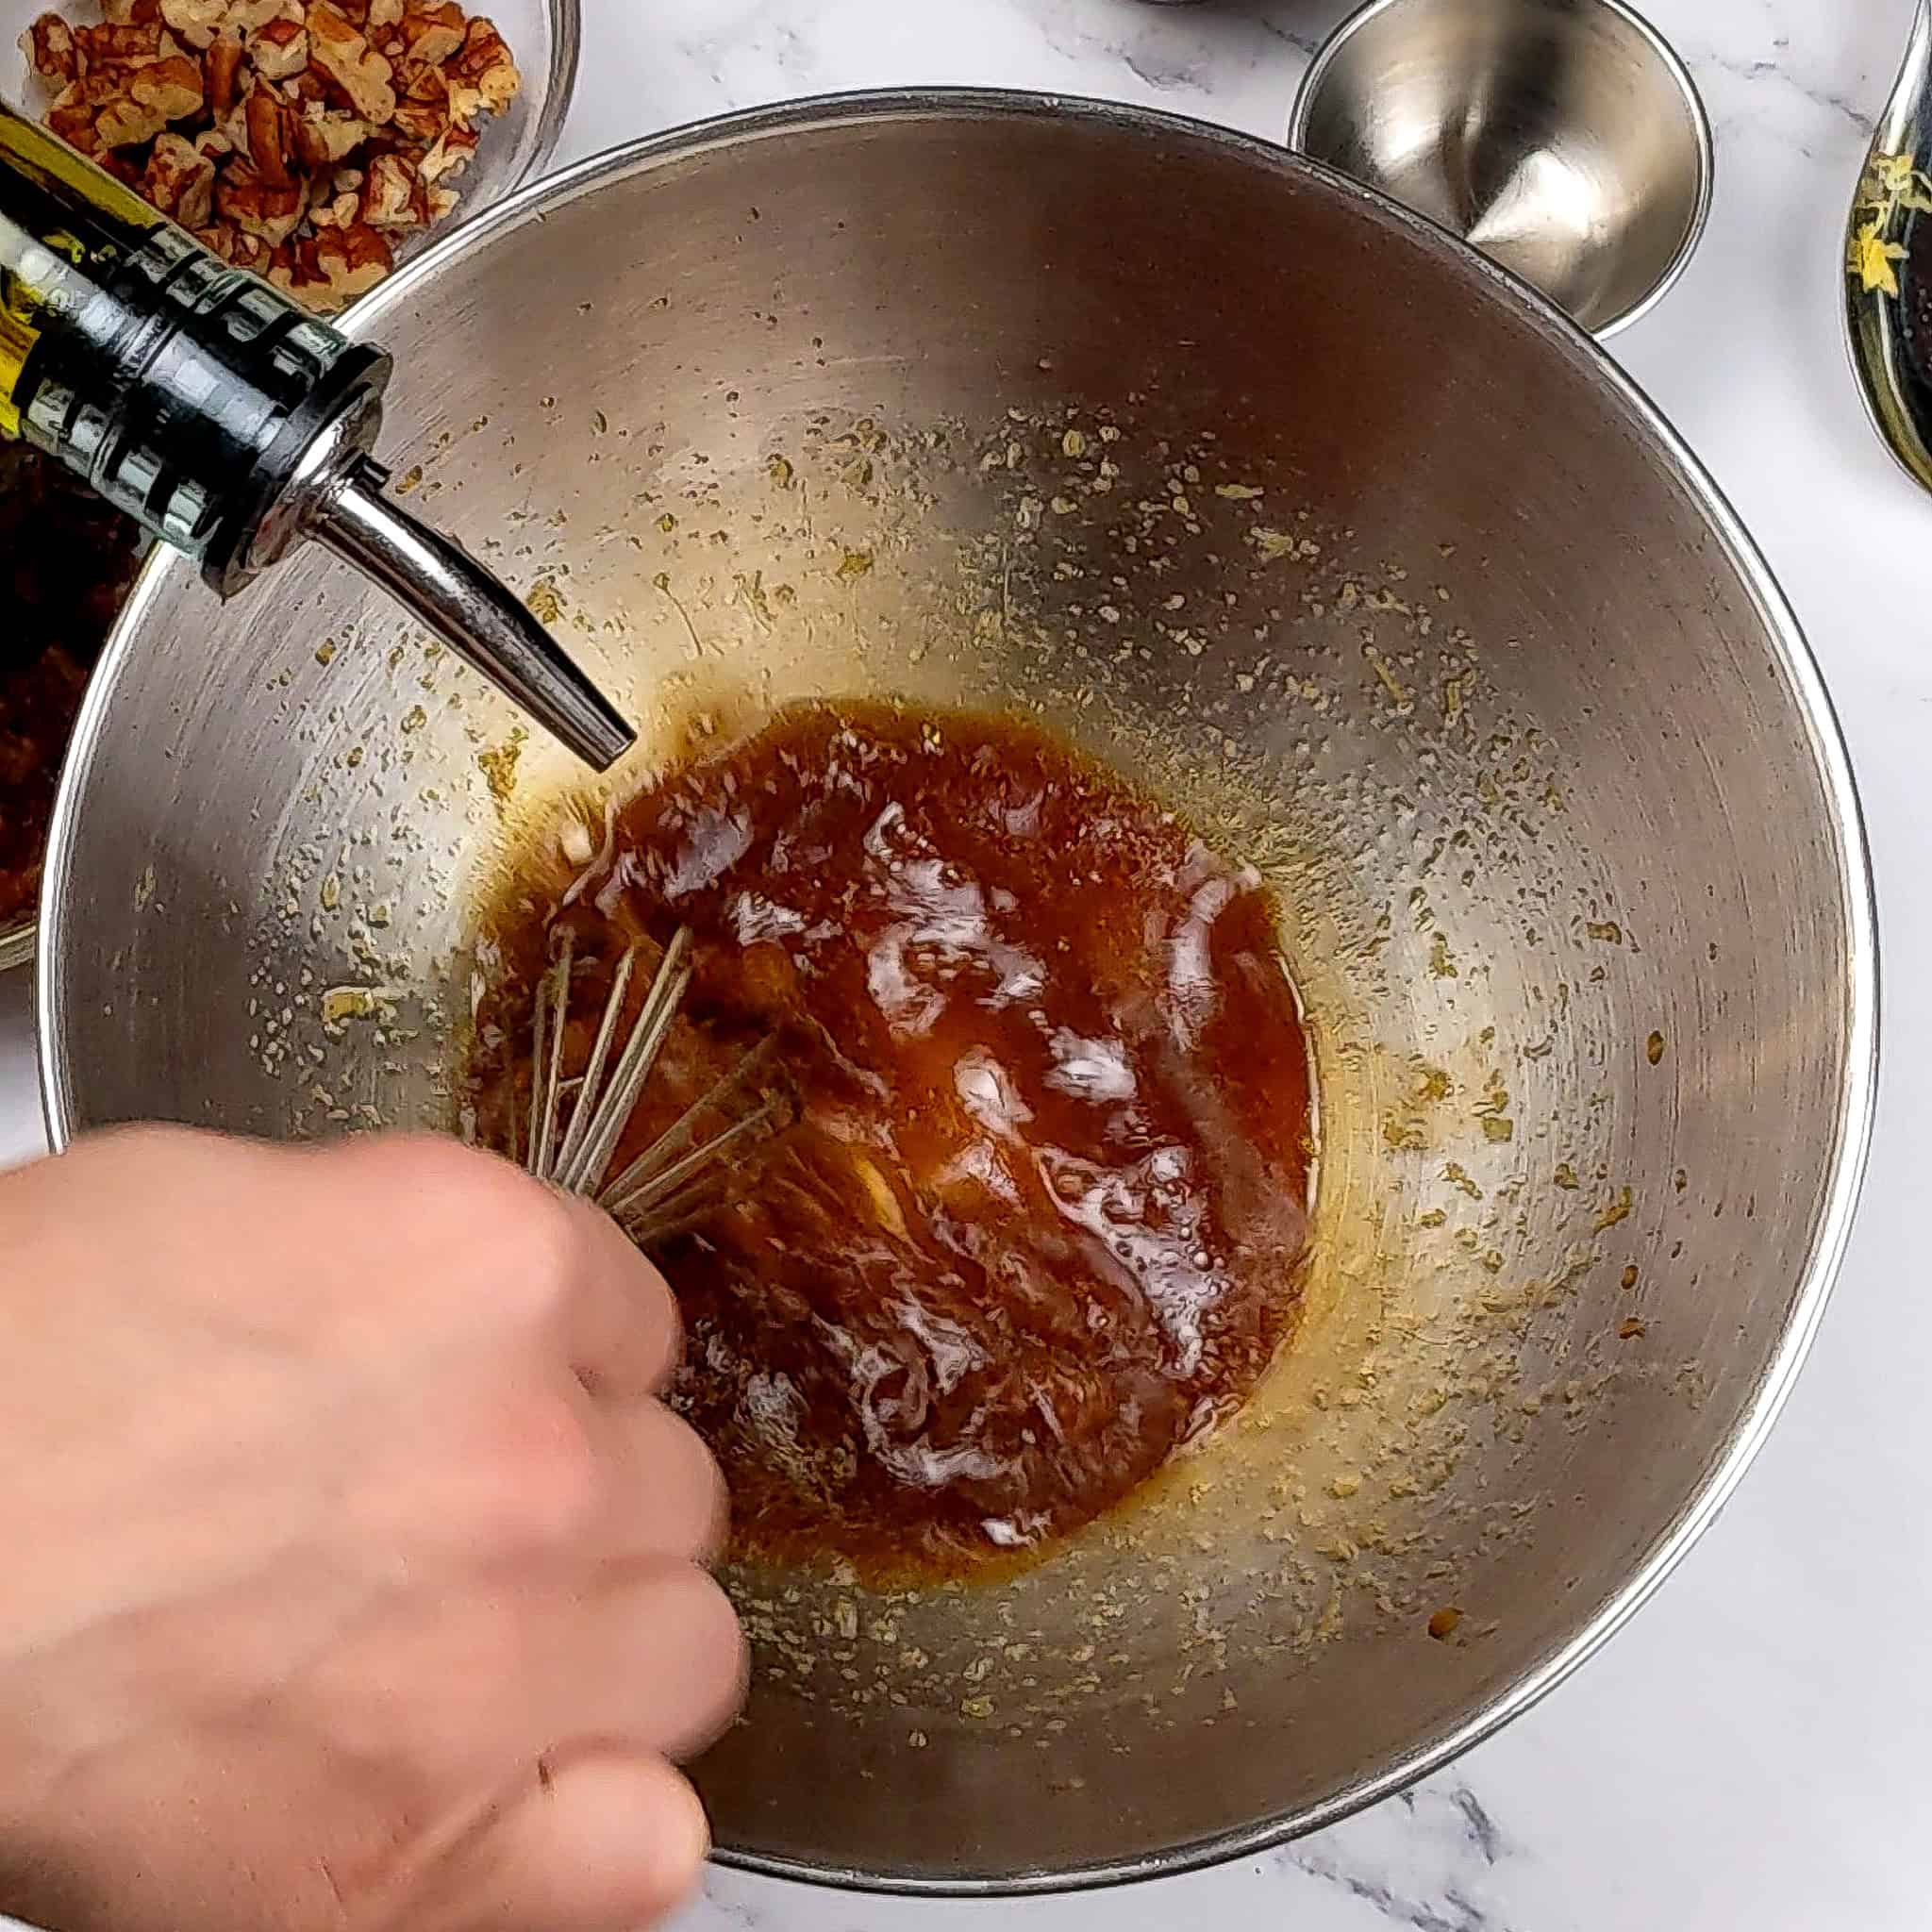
<point>1750,1753</point>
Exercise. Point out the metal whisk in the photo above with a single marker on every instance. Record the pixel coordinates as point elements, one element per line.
<point>696,1164</point>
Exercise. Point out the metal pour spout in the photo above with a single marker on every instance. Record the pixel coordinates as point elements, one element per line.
<point>469,610</point>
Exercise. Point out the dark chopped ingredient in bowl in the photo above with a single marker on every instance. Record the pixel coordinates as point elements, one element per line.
<point>1040,1220</point>
<point>68,560</point>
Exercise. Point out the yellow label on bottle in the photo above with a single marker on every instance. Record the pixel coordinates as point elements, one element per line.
<point>42,239</point>
<point>16,343</point>
<point>46,158</point>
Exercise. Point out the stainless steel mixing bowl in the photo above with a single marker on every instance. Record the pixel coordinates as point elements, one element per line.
<point>1282,500</point>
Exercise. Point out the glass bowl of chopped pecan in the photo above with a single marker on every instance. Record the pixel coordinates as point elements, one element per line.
<point>316,141</point>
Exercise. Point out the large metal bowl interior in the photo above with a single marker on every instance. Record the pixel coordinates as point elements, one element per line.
<point>1286,504</point>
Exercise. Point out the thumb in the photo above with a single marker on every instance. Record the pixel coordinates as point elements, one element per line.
<point>604,1840</point>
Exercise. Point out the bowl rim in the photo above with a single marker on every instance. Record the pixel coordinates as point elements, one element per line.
<point>560,90</point>
<point>1696,114</point>
<point>1856,1102</point>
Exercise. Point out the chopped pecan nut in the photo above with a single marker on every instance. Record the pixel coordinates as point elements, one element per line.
<point>50,48</point>
<point>334,212</point>
<point>432,34</point>
<point>338,202</point>
<point>179,180</point>
<point>125,123</point>
<point>343,54</point>
<point>172,83</point>
<point>222,66</point>
<point>280,49</point>
<point>324,136</point>
<point>271,125</point>
<point>422,110</point>
<point>485,62</point>
<point>71,113</point>
<point>250,16</point>
<point>418,122</point>
<point>357,250</point>
<point>329,270</point>
<point>103,48</point>
<point>256,207</point>
<point>449,154</point>
<point>196,20</point>
<point>394,195</point>
<point>147,99</point>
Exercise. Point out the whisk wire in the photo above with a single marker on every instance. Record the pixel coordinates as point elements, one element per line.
<point>705,1157</point>
<point>617,1102</point>
<point>559,1000</point>
<point>660,1163</point>
<point>693,1208</point>
<point>685,1173</point>
<point>593,1068</point>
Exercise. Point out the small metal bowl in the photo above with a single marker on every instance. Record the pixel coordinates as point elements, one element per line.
<point>1562,138</point>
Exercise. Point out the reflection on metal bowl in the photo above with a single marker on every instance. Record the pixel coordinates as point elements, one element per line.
<point>1291,508</point>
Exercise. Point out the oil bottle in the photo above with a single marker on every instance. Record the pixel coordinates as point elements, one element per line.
<point>228,421</point>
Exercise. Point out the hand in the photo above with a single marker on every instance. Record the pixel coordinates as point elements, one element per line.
<point>349,1571</point>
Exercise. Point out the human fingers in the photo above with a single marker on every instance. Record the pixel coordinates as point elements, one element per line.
<point>622,1327</point>
<point>605,1841</point>
<point>451,1691</point>
<point>664,1494</point>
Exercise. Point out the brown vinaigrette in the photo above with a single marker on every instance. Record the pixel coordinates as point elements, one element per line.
<point>1039,1218</point>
